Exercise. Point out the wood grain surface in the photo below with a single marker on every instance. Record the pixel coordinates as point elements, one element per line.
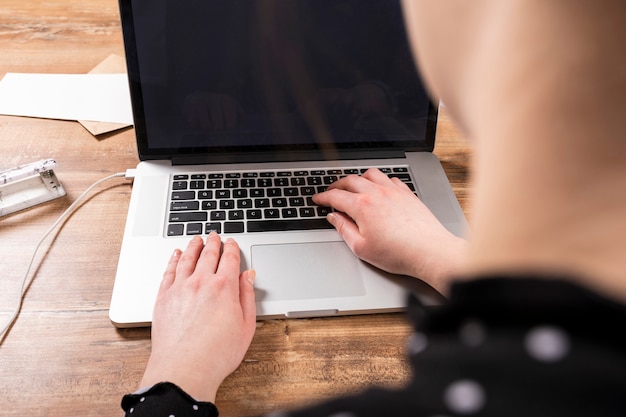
<point>63,357</point>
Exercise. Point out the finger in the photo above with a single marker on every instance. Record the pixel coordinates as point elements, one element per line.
<point>339,199</point>
<point>352,183</point>
<point>376,176</point>
<point>347,229</point>
<point>230,262</point>
<point>189,258</point>
<point>210,255</point>
<point>400,184</point>
<point>170,270</point>
<point>246,295</point>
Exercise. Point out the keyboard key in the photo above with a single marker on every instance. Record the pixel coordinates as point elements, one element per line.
<point>233,227</point>
<point>205,195</point>
<point>244,204</point>
<point>240,193</point>
<point>264,182</point>
<point>403,177</point>
<point>209,205</point>
<point>307,212</point>
<point>213,226</point>
<point>279,202</point>
<point>179,185</point>
<point>274,192</point>
<point>231,183</point>
<point>298,181</point>
<point>191,216</point>
<point>175,229</point>
<point>248,183</point>
<point>196,185</point>
<point>289,212</point>
<point>227,204</point>
<point>253,214</point>
<point>271,213</point>
<point>281,182</point>
<point>183,195</point>
<point>185,205</point>
<point>218,215</point>
<point>323,211</point>
<point>280,225</point>
<point>194,228</point>
<point>296,201</point>
<point>235,215</point>
<point>261,202</point>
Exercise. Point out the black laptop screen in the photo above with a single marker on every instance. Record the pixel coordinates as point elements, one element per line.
<point>232,76</point>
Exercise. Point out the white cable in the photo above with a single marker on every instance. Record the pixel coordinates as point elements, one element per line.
<point>18,304</point>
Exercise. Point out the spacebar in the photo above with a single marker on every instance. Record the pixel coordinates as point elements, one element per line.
<point>280,225</point>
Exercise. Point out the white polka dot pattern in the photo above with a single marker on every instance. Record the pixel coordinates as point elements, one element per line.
<point>472,333</point>
<point>465,397</point>
<point>547,343</point>
<point>417,343</point>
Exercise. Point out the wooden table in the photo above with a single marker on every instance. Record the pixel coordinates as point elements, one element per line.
<point>63,357</point>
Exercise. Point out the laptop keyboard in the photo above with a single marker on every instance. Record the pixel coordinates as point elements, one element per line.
<point>256,201</point>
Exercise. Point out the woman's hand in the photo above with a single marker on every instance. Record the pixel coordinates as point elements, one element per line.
<point>385,224</point>
<point>204,318</point>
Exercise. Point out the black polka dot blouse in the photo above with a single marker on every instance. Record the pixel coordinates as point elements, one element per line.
<point>514,346</point>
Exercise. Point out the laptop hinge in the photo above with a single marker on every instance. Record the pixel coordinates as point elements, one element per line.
<point>289,156</point>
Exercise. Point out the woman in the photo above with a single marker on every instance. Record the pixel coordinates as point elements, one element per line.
<point>536,298</point>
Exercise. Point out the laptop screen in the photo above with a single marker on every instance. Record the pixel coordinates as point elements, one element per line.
<point>249,77</point>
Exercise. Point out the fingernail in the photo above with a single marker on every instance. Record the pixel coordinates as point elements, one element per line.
<point>176,253</point>
<point>251,276</point>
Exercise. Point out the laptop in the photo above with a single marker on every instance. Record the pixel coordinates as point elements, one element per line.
<point>245,108</point>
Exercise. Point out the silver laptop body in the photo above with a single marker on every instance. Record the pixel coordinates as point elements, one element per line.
<point>230,92</point>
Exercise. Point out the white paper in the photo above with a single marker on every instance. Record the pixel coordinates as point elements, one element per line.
<point>93,97</point>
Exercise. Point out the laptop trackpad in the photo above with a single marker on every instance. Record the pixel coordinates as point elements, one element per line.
<point>306,270</point>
